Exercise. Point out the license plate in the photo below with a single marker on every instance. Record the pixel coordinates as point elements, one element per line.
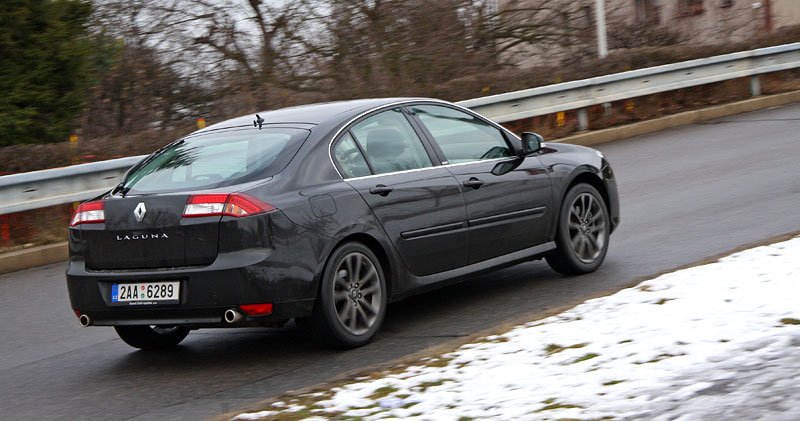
<point>146,293</point>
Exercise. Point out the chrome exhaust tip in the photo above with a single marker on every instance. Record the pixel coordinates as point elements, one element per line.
<point>85,320</point>
<point>233,316</point>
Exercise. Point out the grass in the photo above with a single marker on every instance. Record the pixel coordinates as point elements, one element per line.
<point>612,382</point>
<point>555,348</point>
<point>438,362</point>
<point>425,385</point>
<point>586,357</point>
<point>552,403</point>
<point>496,340</point>
<point>382,392</point>
<point>302,414</point>
<point>658,358</point>
<point>606,418</point>
<point>790,321</point>
<point>662,301</point>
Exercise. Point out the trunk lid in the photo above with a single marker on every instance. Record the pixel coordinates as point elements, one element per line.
<point>145,232</point>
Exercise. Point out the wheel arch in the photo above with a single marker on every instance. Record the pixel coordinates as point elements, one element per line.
<point>593,179</point>
<point>376,247</point>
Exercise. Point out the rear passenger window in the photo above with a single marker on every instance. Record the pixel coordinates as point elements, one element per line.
<point>461,136</point>
<point>390,143</point>
<point>350,160</point>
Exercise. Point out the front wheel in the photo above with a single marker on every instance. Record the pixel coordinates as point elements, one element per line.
<point>152,337</point>
<point>583,232</point>
<point>352,301</point>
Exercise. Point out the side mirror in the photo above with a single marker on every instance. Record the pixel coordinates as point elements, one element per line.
<point>531,142</point>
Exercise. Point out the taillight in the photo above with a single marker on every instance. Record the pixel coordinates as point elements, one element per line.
<point>89,213</point>
<point>236,205</point>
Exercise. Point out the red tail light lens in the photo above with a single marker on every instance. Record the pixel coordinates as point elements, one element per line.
<point>257,309</point>
<point>89,213</point>
<point>236,205</point>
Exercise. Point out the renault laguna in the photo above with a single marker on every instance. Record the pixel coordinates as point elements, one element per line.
<point>325,213</point>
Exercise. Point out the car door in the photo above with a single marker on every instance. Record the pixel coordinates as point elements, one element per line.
<point>508,206</point>
<point>419,205</point>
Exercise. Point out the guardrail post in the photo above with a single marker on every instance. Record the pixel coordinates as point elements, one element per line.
<point>583,119</point>
<point>755,85</point>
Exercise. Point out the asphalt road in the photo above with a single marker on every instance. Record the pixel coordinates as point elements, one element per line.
<point>687,193</point>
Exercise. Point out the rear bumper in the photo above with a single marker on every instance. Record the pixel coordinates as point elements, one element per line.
<point>205,292</point>
<point>197,317</point>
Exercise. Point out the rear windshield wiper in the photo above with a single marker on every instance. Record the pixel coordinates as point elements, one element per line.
<point>121,189</point>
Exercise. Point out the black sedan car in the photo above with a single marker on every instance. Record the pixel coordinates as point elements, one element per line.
<point>325,213</point>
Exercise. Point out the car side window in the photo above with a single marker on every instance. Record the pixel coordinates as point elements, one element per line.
<point>350,159</point>
<point>461,136</point>
<point>390,143</point>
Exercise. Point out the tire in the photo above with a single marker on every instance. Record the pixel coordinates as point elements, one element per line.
<point>152,337</point>
<point>583,232</point>
<point>351,303</point>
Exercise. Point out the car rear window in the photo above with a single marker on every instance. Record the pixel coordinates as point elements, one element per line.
<point>216,159</point>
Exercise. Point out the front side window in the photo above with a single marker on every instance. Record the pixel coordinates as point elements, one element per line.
<point>461,136</point>
<point>216,159</point>
<point>390,143</point>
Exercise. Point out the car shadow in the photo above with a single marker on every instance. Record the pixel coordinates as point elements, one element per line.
<point>476,303</point>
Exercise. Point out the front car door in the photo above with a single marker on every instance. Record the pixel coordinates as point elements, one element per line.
<point>507,210</point>
<point>419,205</point>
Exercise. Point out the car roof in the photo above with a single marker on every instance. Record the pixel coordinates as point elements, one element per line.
<point>311,114</point>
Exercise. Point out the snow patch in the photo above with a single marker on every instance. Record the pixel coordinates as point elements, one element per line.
<point>709,342</point>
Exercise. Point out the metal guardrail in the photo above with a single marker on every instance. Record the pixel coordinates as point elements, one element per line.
<point>580,94</point>
<point>57,186</point>
<point>37,189</point>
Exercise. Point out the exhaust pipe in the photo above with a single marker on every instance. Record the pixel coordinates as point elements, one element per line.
<point>85,320</point>
<point>233,316</point>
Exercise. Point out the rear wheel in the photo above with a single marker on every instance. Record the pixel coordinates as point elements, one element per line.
<point>582,233</point>
<point>152,337</point>
<point>352,301</point>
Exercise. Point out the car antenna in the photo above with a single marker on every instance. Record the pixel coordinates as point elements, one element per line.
<point>258,122</point>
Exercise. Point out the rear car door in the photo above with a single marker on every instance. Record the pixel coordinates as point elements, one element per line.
<point>419,205</point>
<point>507,210</point>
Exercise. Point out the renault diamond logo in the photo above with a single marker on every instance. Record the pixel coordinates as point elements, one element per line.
<point>139,212</point>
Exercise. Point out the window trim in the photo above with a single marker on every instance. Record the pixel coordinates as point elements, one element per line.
<point>435,158</point>
<point>505,158</point>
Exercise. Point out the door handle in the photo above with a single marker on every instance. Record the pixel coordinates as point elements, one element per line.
<point>381,189</point>
<point>474,183</point>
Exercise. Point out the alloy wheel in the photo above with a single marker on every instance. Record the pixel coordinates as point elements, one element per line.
<point>357,293</point>
<point>587,227</point>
